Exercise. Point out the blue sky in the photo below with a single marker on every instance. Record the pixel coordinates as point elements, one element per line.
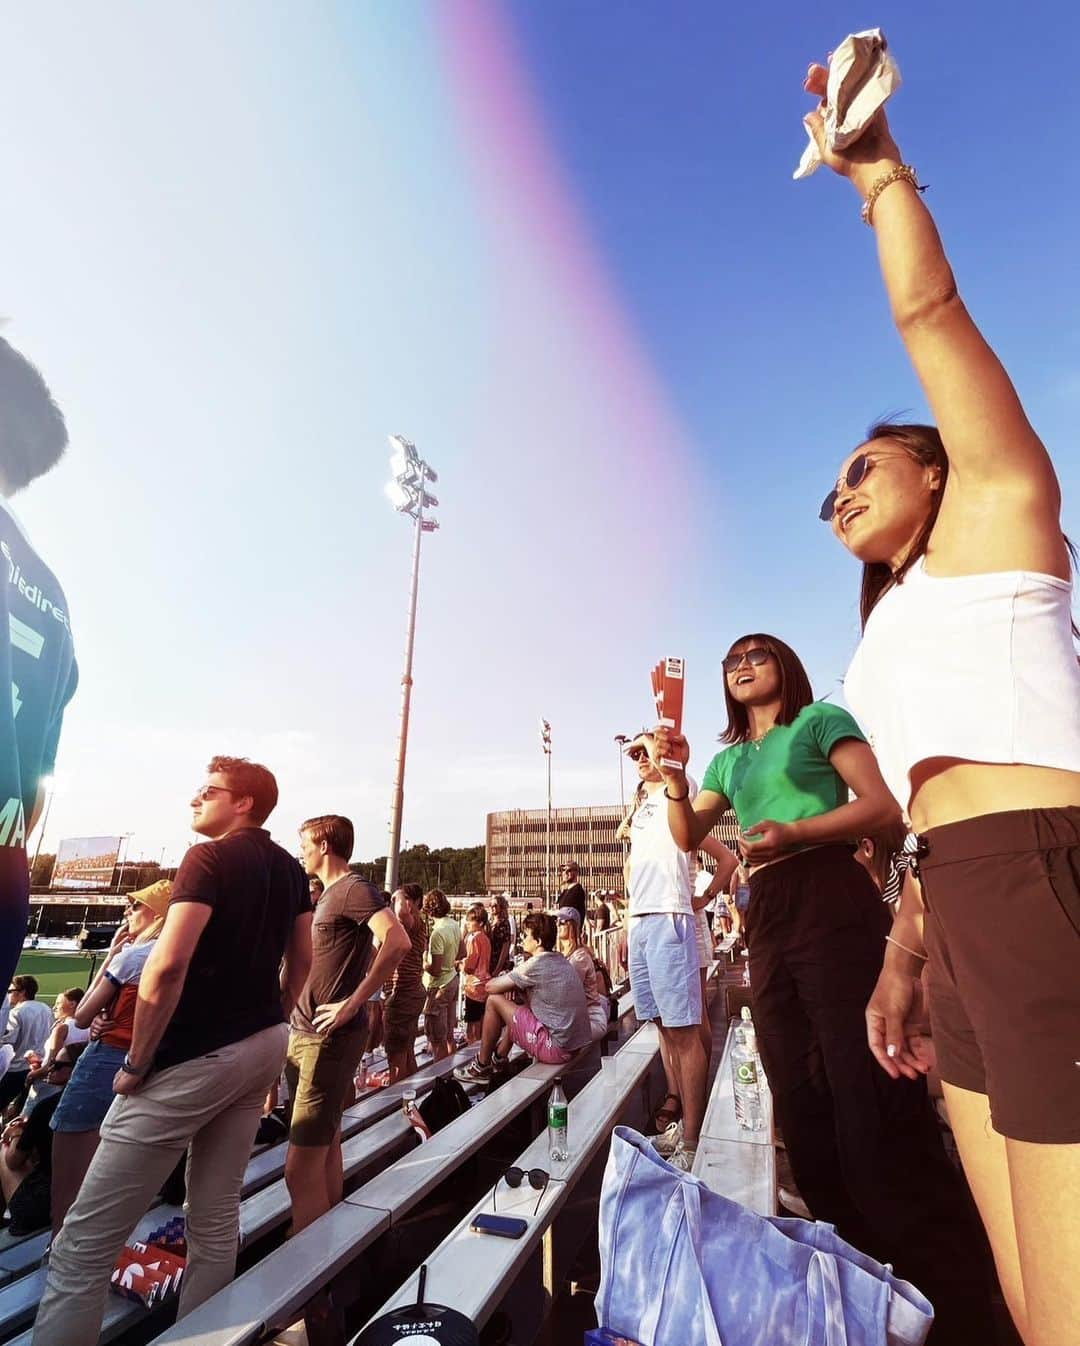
<point>559,246</point>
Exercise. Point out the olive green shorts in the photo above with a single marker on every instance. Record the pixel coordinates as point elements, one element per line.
<point>320,1072</point>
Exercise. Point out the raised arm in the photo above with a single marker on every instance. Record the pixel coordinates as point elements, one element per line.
<point>1000,475</point>
<point>690,821</point>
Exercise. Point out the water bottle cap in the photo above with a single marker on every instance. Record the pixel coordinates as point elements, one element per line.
<point>745,1012</point>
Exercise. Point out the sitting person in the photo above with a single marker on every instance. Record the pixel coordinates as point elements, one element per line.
<point>26,1152</point>
<point>554,1021</point>
<point>64,1030</point>
<point>581,960</point>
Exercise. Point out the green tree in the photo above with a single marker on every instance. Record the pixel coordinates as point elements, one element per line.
<point>454,869</point>
<point>41,870</point>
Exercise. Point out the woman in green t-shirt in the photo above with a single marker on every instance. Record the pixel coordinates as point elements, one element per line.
<point>864,1149</point>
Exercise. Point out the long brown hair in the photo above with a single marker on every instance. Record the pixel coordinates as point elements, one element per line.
<point>925,445</point>
<point>795,689</point>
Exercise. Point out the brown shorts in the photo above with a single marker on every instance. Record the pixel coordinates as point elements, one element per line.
<point>440,1011</point>
<point>320,1073</point>
<point>1002,897</point>
<point>401,1020</point>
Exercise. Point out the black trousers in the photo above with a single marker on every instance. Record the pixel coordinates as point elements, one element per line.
<point>865,1150</point>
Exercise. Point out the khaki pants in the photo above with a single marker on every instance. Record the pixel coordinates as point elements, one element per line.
<point>212,1104</point>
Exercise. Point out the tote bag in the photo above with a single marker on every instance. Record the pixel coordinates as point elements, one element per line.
<point>683,1266</point>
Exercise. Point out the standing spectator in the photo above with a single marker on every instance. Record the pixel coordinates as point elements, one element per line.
<point>553,1023</point>
<point>665,962</point>
<point>403,995</point>
<point>967,678</point>
<point>601,918</point>
<point>108,1005</point>
<point>571,894</point>
<point>327,1037</point>
<point>502,934</point>
<point>581,960</point>
<point>28,1027</point>
<point>475,968</point>
<point>37,658</point>
<point>441,981</point>
<point>865,1151</point>
<point>209,1038</point>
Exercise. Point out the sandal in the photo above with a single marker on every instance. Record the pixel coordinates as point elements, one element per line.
<point>666,1115</point>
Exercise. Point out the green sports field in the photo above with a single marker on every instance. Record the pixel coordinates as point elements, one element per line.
<point>57,971</point>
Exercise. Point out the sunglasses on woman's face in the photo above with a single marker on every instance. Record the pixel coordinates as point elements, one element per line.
<point>638,754</point>
<point>757,656</point>
<point>537,1179</point>
<point>859,466</point>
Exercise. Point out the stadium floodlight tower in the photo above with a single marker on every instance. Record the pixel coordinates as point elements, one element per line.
<point>408,494</point>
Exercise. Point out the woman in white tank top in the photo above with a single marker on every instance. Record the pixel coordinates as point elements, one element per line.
<point>968,683</point>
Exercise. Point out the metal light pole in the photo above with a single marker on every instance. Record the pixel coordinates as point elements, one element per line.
<point>545,743</point>
<point>621,740</point>
<point>50,789</point>
<point>408,496</point>
<point>126,838</point>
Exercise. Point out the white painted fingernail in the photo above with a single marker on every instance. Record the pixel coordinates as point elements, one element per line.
<point>890,1050</point>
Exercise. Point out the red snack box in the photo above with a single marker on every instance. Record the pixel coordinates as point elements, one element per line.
<point>669,702</point>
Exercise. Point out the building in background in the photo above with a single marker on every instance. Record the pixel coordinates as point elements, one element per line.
<point>517,847</point>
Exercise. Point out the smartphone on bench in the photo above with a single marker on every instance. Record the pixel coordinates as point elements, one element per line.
<point>502,1226</point>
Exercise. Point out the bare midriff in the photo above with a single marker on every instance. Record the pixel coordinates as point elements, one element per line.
<point>949,789</point>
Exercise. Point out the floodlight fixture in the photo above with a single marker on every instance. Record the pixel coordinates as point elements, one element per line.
<point>401,499</point>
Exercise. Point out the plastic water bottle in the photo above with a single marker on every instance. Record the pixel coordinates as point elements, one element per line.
<point>557,1119</point>
<point>745,1068</point>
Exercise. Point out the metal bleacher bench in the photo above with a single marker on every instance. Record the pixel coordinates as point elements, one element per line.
<point>374,1126</point>
<point>471,1273</point>
<point>273,1291</point>
<point>736,1163</point>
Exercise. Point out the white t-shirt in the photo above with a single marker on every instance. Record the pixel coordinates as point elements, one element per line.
<point>661,876</point>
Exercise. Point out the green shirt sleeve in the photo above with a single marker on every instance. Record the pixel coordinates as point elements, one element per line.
<point>715,776</point>
<point>831,725</point>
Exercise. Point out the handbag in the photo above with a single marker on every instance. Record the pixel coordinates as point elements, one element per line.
<point>681,1265</point>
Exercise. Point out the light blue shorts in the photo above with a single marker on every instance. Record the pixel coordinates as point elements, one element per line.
<point>665,970</point>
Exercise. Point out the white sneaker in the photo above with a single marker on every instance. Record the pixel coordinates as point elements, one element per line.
<point>682,1158</point>
<point>667,1142</point>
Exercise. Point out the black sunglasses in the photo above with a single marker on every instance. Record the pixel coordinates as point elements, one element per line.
<point>757,656</point>
<point>860,465</point>
<point>637,754</point>
<point>537,1179</point>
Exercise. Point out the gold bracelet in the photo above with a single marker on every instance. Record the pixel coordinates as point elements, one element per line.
<point>903,173</point>
<point>923,956</point>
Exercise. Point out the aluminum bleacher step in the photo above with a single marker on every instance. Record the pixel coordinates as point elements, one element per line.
<point>288,1277</point>
<point>473,1274</point>
<point>736,1163</point>
<point>19,1300</point>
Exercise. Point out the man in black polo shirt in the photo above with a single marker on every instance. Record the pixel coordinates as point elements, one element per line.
<point>571,894</point>
<point>37,659</point>
<point>209,1040</point>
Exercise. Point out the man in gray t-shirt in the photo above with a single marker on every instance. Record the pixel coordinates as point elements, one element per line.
<point>29,1024</point>
<point>553,1023</point>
